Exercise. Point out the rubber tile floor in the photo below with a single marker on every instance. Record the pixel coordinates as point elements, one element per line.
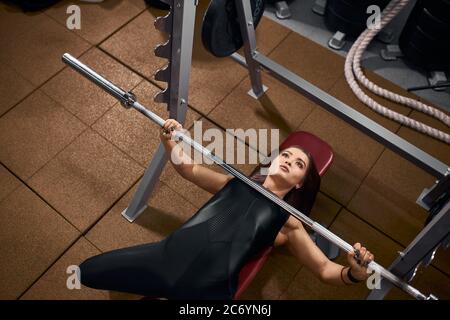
<point>71,157</point>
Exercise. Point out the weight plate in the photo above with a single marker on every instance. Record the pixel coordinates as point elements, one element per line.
<point>221,33</point>
<point>438,8</point>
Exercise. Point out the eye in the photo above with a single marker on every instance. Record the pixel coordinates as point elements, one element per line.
<point>300,164</point>
<point>285,154</point>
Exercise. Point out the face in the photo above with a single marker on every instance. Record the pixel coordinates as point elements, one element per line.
<point>290,166</point>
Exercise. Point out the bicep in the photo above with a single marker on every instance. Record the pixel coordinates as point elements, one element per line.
<point>280,240</point>
<point>207,179</point>
<point>306,251</point>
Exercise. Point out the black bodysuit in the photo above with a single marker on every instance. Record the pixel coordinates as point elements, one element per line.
<point>200,260</point>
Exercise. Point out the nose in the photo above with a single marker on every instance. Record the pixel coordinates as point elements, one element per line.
<point>287,162</point>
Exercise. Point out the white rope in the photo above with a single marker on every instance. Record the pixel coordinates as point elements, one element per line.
<point>353,68</point>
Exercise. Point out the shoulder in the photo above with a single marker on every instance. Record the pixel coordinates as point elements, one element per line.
<point>291,224</point>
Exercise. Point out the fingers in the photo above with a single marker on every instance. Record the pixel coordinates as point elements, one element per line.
<point>362,256</point>
<point>359,260</point>
<point>169,126</point>
<point>368,259</point>
<point>352,256</point>
<point>356,254</point>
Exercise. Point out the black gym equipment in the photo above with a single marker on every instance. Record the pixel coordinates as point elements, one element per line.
<point>350,16</point>
<point>157,4</point>
<point>33,5</point>
<point>438,8</point>
<point>425,39</point>
<point>437,86</point>
<point>221,33</point>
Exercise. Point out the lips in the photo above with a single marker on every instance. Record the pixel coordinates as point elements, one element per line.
<point>284,168</point>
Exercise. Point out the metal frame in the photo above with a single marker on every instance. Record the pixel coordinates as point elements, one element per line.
<point>129,101</point>
<point>436,232</point>
<point>180,25</point>
<point>418,251</point>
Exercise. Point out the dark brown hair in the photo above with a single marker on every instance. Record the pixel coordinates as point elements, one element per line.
<point>303,198</point>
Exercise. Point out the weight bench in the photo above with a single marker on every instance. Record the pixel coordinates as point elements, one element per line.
<point>425,244</point>
<point>323,156</point>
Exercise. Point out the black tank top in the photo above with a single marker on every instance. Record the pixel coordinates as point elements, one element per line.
<point>207,253</point>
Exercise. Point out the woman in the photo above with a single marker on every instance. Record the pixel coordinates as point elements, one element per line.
<point>203,258</point>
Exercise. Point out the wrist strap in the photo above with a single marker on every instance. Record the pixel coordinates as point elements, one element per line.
<point>351,277</point>
<point>342,276</point>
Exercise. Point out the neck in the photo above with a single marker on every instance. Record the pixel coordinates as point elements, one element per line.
<point>277,188</point>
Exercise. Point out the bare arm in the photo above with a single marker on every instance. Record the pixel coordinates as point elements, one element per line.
<point>308,254</point>
<point>203,177</point>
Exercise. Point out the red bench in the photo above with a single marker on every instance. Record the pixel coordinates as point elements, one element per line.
<point>322,154</point>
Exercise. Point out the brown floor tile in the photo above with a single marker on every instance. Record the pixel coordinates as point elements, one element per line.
<point>166,212</point>
<point>14,87</point>
<point>387,198</point>
<point>355,153</point>
<point>80,96</point>
<point>342,91</point>
<point>428,280</point>
<point>134,43</point>
<point>351,229</point>
<point>324,210</point>
<point>188,190</point>
<point>211,78</point>
<point>34,132</point>
<point>84,180</point>
<point>131,131</point>
<point>7,182</point>
<point>436,148</point>
<point>309,60</point>
<point>269,35</point>
<point>274,277</point>
<point>280,108</point>
<point>211,81</point>
<point>41,42</point>
<point>53,284</point>
<point>28,225</point>
<point>98,21</point>
<point>442,260</point>
<point>191,192</point>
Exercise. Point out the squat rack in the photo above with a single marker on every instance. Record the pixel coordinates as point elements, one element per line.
<point>179,25</point>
